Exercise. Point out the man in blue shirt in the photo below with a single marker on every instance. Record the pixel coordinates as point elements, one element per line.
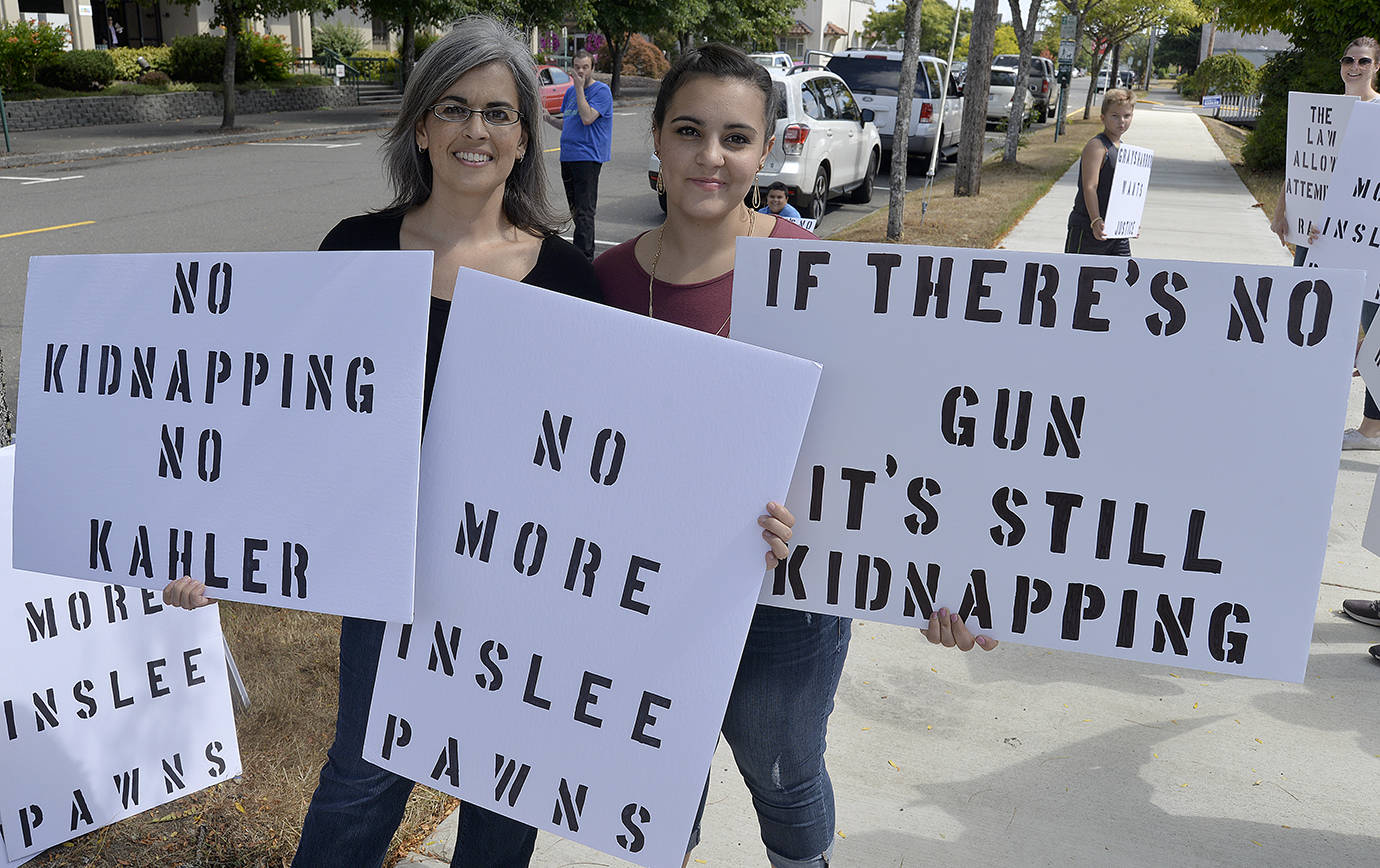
<point>586,125</point>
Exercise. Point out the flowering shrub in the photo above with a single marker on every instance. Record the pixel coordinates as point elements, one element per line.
<point>25,46</point>
<point>594,43</point>
<point>126,59</point>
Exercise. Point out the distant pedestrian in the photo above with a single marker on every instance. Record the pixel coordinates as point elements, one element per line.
<point>1087,229</point>
<point>586,125</point>
<point>113,31</point>
<point>777,204</point>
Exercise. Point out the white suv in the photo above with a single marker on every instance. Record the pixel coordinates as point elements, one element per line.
<point>825,144</point>
<point>873,76</point>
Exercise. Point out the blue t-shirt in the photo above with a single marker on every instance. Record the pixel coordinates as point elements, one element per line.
<point>788,210</point>
<point>581,141</point>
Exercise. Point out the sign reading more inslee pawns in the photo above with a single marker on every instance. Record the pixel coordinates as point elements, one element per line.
<point>1050,445</point>
<point>588,563</point>
<point>110,702</point>
<point>1349,223</point>
<point>1317,126</point>
<point>249,419</point>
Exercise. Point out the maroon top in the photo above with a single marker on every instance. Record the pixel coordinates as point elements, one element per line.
<point>704,306</point>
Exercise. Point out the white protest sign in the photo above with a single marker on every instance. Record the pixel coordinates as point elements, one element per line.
<point>1129,185</point>
<point>1317,124</point>
<point>588,563</point>
<point>249,419</point>
<point>1050,445</point>
<point>112,704</point>
<point>11,863</point>
<point>1350,216</point>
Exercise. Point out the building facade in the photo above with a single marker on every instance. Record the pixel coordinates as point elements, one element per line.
<point>825,25</point>
<point>107,23</point>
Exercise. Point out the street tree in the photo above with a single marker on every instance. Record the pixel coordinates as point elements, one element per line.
<point>233,15</point>
<point>900,139</point>
<point>936,25</point>
<point>405,16</point>
<point>1113,22</point>
<point>737,22</point>
<point>976,85</point>
<point>1025,38</point>
<point>1003,42</point>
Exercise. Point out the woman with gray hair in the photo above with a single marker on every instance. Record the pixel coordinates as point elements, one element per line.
<point>465,162</point>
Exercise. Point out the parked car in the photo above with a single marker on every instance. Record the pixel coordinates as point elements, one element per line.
<point>1042,82</point>
<point>774,59</point>
<point>1127,76</point>
<point>873,76</point>
<point>999,97</point>
<point>554,83</point>
<point>1102,79</point>
<point>825,145</point>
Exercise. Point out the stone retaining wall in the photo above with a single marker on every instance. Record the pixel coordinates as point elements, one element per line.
<point>47,114</point>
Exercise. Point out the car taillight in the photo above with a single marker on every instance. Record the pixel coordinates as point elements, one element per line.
<point>926,112</point>
<point>794,140</point>
<point>1044,87</point>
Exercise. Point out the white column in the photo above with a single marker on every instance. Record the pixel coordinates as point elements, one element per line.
<point>81,22</point>
<point>300,25</point>
<point>9,11</point>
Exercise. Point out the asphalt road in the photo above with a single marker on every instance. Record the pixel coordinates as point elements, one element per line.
<point>274,196</point>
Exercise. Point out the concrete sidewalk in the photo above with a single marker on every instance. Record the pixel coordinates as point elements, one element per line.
<point>1028,757</point>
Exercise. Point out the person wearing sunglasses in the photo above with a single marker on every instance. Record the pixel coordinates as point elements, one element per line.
<point>1359,64</point>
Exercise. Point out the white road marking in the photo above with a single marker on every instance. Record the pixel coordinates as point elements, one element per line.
<point>597,242</point>
<point>303,145</point>
<point>24,182</point>
<point>624,114</point>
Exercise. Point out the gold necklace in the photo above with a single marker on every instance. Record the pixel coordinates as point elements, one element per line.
<point>660,233</point>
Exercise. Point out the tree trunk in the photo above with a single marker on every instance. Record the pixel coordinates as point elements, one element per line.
<point>6,417</point>
<point>1114,80</point>
<point>1149,61</point>
<point>1097,58</point>
<point>231,18</point>
<point>978,83</point>
<point>900,137</point>
<point>409,43</point>
<point>619,49</point>
<point>1025,38</point>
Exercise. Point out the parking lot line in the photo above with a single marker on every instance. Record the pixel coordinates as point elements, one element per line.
<point>48,229</point>
<point>24,181</point>
<point>326,145</point>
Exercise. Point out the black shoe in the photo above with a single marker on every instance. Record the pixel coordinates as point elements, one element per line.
<point>1375,652</point>
<point>1365,611</point>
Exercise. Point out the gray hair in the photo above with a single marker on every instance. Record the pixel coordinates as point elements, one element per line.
<point>475,41</point>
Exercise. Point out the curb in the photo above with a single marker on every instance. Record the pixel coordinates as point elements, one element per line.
<point>16,160</point>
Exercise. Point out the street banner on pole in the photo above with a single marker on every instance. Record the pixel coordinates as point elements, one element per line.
<point>588,563</point>
<point>1350,216</point>
<point>1317,126</point>
<point>101,685</point>
<point>248,419</point>
<point>1049,444</point>
<point>1130,184</point>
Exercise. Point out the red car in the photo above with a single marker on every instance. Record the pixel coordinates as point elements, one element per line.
<point>554,83</point>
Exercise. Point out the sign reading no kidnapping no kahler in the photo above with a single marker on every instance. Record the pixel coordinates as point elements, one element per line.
<point>1128,457</point>
<point>588,562</point>
<point>249,419</point>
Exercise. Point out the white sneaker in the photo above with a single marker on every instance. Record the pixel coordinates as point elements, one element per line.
<point>1352,438</point>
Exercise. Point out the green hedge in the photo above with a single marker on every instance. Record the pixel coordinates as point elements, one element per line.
<point>78,70</point>
<point>201,58</point>
<point>1221,73</point>
<point>1286,71</point>
<point>126,59</point>
<point>338,37</point>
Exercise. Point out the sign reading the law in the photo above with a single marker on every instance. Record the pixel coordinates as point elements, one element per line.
<point>1349,223</point>
<point>588,563</point>
<point>1049,444</point>
<point>248,419</point>
<point>1317,126</point>
<point>111,703</point>
<point>1129,186</point>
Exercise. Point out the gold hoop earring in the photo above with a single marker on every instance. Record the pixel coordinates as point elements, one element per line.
<point>660,185</point>
<point>756,196</point>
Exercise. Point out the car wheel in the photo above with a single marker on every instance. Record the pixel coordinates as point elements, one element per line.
<point>862,194</point>
<point>812,204</point>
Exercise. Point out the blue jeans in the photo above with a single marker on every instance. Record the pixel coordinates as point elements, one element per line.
<point>357,805</point>
<point>1368,309</point>
<point>775,723</point>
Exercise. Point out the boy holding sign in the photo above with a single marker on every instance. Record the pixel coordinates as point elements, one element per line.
<point>1087,228</point>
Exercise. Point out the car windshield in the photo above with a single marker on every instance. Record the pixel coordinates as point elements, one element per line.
<point>764,59</point>
<point>876,75</point>
<point>1014,61</point>
<point>1004,78</point>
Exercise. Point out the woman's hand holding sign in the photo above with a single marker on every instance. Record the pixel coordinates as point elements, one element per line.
<point>947,629</point>
<point>776,530</point>
<point>186,593</point>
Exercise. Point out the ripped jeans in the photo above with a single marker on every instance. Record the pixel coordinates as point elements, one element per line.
<point>775,723</point>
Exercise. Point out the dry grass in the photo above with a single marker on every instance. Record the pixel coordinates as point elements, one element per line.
<point>1007,193</point>
<point>1264,186</point>
<point>289,664</point>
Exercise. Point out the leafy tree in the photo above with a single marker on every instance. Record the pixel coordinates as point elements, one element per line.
<point>233,15</point>
<point>936,25</point>
<point>1004,42</point>
<point>1025,39</point>
<point>900,142</point>
<point>1112,22</point>
<point>976,85</point>
<point>737,22</point>
<point>1180,49</point>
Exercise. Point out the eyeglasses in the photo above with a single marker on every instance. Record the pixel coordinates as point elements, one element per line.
<point>1348,60</point>
<point>496,116</point>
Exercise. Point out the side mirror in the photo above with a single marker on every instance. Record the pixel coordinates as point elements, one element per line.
<point>868,116</point>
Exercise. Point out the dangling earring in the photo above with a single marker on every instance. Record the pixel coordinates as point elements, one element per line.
<point>660,185</point>
<point>756,196</point>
